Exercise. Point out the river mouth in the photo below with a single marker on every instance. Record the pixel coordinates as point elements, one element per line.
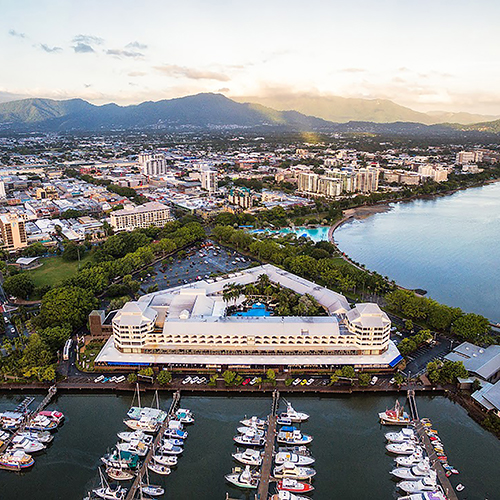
<point>348,446</point>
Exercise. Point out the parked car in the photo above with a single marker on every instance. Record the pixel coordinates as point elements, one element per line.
<point>374,380</point>
<point>187,380</point>
<point>254,380</point>
<point>297,381</point>
<point>246,381</point>
<point>100,378</point>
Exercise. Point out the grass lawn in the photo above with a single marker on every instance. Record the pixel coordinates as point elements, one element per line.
<point>54,270</point>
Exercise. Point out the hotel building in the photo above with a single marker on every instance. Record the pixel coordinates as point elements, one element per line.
<point>149,214</point>
<point>13,232</point>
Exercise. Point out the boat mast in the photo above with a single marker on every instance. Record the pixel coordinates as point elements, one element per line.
<point>138,394</point>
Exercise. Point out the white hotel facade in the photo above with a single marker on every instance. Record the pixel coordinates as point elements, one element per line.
<point>187,326</point>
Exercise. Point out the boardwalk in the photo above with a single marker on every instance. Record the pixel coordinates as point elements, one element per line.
<point>267,462</point>
<point>426,442</point>
<point>135,488</point>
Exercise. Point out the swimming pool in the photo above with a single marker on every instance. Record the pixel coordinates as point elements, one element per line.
<point>257,309</point>
<point>315,234</point>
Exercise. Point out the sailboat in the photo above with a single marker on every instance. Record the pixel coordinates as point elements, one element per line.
<point>107,492</point>
<point>151,489</point>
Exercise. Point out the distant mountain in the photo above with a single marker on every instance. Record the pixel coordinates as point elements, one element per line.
<point>201,110</point>
<point>343,110</point>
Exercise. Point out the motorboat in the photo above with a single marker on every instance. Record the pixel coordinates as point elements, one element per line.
<point>148,413</point>
<point>119,474</point>
<point>170,449</point>
<point>254,422</point>
<point>159,469</point>
<point>175,442</point>
<point>248,457</point>
<point>166,460</point>
<point>298,450</point>
<point>292,415</point>
<point>120,459</point>
<point>424,484</point>
<point>404,435</point>
<point>41,436</point>
<point>175,434</point>
<point>153,490</point>
<point>291,470</point>
<point>136,447</point>
<point>144,424</point>
<point>426,495</point>
<point>401,448</point>
<point>283,456</point>
<point>414,473</point>
<point>286,495</point>
<point>41,423</point>
<point>288,484</point>
<point>184,416</point>
<point>244,430</point>
<point>291,435</point>
<point>136,435</point>
<point>250,438</point>
<point>11,420</point>
<point>394,416</point>
<point>244,478</point>
<point>4,435</point>
<point>26,444</point>
<point>16,460</point>
<point>410,460</point>
<point>56,416</point>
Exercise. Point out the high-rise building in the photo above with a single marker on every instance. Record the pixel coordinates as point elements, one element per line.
<point>367,179</point>
<point>469,157</point>
<point>149,214</point>
<point>329,186</point>
<point>308,182</point>
<point>209,180</point>
<point>13,232</point>
<point>152,164</point>
<point>3,194</point>
<point>241,197</point>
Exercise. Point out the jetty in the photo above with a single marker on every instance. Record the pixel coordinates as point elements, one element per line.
<point>136,486</point>
<point>426,442</point>
<point>267,461</point>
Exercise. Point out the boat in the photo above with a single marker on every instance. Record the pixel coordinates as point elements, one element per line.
<point>109,492</point>
<point>170,449</point>
<point>184,416</point>
<point>120,459</point>
<point>175,442</point>
<point>26,444</point>
<point>175,434</point>
<point>153,490</point>
<point>136,435</point>
<point>144,424</point>
<point>137,413</point>
<point>119,474</point>
<point>426,495</point>
<point>283,456</point>
<point>244,478</point>
<point>423,469</point>
<point>292,415</point>
<point>406,434</point>
<point>159,469</point>
<point>249,439</point>
<point>298,450</point>
<point>254,422</point>
<point>56,416</point>
<point>394,416</point>
<point>410,460</point>
<point>136,447</point>
<point>248,457</point>
<point>11,420</point>
<point>288,484</point>
<point>41,423</point>
<point>166,460</point>
<point>16,460</point>
<point>286,495</point>
<point>42,436</point>
<point>288,436</point>
<point>424,484</point>
<point>4,435</point>
<point>244,430</point>
<point>401,448</point>
<point>291,470</point>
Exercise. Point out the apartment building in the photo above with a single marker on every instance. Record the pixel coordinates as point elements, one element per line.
<point>209,180</point>
<point>149,214</point>
<point>13,232</point>
<point>152,164</point>
<point>464,157</point>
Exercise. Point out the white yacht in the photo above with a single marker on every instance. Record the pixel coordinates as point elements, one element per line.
<point>166,460</point>
<point>291,470</point>
<point>423,469</point>
<point>291,435</point>
<point>244,478</point>
<point>291,415</point>
<point>244,430</point>
<point>286,495</point>
<point>135,446</point>
<point>26,444</point>
<point>248,457</point>
<point>184,416</point>
<point>4,435</point>
<point>426,495</point>
<point>170,449</point>
<point>44,437</point>
<point>401,448</point>
<point>250,438</point>
<point>254,422</point>
<point>145,424</point>
<point>402,436</point>
<point>410,460</point>
<point>147,439</point>
<point>424,484</point>
<point>283,456</point>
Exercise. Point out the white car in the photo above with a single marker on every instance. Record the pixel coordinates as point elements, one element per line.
<point>374,380</point>
<point>254,381</point>
<point>297,381</point>
<point>120,379</point>
<point>392,381</point>
<point>195,380</point>
<point>310,381</point>
<point>187,380</point>
<point>100,378</point>
<point>202,380</point>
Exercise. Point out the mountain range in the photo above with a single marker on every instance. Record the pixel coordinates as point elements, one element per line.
<point>215,111</point>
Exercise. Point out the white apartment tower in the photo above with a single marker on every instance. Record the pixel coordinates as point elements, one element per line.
<point>152,164</point>
<point>209,181</point>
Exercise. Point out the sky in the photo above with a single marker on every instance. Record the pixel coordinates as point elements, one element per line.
<point>425,54</point>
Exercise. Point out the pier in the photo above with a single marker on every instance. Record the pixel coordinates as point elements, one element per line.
<point>267,461</point>
<point>426,442</point>
<point>22,407</point>
<point>136,486</point>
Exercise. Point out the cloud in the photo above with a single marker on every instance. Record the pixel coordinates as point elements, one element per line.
<point>88,39</point>
<point>82,48</point>
<point>46,48</point>
<point>223,90</point>
<point>137,73</point>
<point>136,45</point>
<point>87,85</point>
<point>17,34</point>
<point>191,73</point>
<point>123,53</point>
<point>353,70</point>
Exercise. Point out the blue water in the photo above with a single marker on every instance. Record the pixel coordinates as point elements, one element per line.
<point>449,246</point>
<point>316,234</point>
<point>255,310</point>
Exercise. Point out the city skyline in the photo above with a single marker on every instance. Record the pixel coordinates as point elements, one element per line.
<point>434,56</point>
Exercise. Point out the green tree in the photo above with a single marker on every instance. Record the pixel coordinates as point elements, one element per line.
<point>20,285</point>
<point>72,251</point>
<point>146,372</point>
<point>132,378</point>
<point>470,327</point>
<point>364,379</point>
<point>348,371</point>
<point>164,377</point>
<point>55,337</point>
<point>229,377</point>
<point>409,324</point>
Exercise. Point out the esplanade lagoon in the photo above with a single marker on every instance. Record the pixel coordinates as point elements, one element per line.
<point>192,326</point>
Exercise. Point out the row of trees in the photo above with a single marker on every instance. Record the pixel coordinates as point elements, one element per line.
<point>470,327</point>
<point>411,344</point>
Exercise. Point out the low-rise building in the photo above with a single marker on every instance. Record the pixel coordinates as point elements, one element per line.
<point>480,362</point>
<point>149,214</point>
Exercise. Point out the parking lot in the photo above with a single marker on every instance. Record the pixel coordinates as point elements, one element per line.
<point>418,360</point>
<point>199,263</point>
